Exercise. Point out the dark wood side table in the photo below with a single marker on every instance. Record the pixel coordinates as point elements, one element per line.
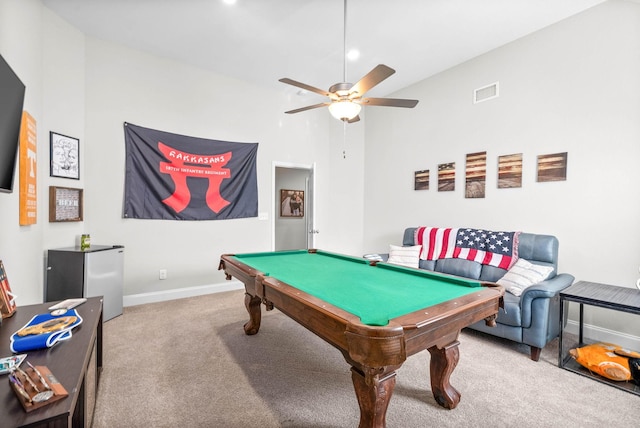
<point>76,363</point>
<point>594,294</point>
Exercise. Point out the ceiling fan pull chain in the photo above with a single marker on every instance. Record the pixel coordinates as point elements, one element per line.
<point>344,143</point>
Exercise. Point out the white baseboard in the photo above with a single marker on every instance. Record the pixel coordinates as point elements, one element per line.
<point>592,333</point>
<point>180,293</point>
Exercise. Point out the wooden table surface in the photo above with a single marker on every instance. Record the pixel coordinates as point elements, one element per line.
<point>67,361</point>
<point>619,298</point>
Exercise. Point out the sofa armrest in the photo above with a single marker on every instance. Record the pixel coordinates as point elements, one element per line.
<point>546,289</point>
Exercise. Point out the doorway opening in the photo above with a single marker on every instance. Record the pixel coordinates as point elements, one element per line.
<point>293,207</point>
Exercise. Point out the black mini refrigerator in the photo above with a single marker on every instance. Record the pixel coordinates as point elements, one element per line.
<point>95,271</point>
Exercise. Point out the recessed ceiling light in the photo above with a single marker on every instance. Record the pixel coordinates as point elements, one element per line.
<point>353,54</point>
<point>229,1</point>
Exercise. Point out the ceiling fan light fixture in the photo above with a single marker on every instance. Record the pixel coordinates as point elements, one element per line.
<point>346,98</point>
<point>344,110</point>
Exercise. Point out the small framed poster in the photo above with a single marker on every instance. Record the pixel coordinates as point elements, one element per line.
<point>65,156</point>
<point>65,204</point>
<point>291,203</point>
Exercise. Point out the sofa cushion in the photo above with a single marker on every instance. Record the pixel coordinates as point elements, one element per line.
<point>428,264</point>
<point>522,275</point>
<point>408,238</point>
<point>510,314</point>
<point>459,267</point>
<point>541,249</point>
<point>404,256</point>
<point>491,273</point>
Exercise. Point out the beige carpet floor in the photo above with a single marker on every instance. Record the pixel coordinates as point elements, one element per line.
<point>188,363</point>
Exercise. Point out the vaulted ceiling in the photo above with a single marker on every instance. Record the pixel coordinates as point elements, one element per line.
<point>261,41</point>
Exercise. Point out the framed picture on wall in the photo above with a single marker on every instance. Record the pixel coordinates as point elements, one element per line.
<point>510,171</point>
<point>65,152</point>
<point>65,204</point>
<point>291,203</point>
<point>476,175</point>
<point>421,180</point>
<point>552,167</point>
<point>447,177</point>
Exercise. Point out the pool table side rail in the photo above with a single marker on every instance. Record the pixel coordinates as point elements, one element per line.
<point>449,316</point>
<point>446,277</point>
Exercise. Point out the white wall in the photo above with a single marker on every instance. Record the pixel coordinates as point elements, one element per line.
<point>572,87</point>
<point>123,85</point>
<point>87,88</point>
<point>63,97</point>
<point>21,33</point>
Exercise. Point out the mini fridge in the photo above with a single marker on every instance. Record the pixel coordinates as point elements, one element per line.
<point>95,271</point>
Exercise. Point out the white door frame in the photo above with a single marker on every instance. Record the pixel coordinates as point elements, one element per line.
<point>312,197</point>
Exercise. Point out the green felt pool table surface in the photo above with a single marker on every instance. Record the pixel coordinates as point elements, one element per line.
<point>376,293</point>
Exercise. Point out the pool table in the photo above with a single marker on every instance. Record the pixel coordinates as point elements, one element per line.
<point>376,314</point>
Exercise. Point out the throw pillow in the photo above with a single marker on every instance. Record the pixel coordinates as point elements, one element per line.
<point>404,256</point>
<point>522,275</point>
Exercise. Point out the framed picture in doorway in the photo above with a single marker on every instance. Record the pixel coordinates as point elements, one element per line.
<point>291,203</point>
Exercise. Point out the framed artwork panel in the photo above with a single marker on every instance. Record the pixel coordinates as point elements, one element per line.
<point>447,177</point>
<point>476,175</point>
<point>552,167</point>
<point>65,204</point>
<point>291,203</point>
<point>421,180</point>
<point>510,171</point>
<point>65,156</point>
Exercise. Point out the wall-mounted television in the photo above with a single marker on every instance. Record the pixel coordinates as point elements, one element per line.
<point>11,102</point>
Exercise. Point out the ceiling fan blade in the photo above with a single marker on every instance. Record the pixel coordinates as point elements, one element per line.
<point>355,119</point>
<point>388,102</point>
<point>305,86</point>
<point>375,76</point>
<point>298,110</point>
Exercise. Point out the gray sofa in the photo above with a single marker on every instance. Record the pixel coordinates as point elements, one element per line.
<point>533,317</point>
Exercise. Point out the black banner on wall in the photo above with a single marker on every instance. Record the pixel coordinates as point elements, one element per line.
<point>176,177</point>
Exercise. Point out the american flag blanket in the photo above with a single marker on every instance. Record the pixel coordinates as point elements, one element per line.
<point>498,249</point>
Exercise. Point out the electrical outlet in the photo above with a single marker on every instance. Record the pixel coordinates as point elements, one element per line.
<point>163,274</point>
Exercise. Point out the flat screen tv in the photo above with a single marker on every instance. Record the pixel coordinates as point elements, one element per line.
<point>11,102</point>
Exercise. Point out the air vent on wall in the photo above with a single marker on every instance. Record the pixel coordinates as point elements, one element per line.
<point>486,93</point>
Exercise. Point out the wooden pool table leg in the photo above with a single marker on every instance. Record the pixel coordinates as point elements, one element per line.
<point>443,361</point>
<point>373,390</point>
<point>252,303</point>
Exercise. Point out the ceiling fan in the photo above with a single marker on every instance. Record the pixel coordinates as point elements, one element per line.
<point>346,99</point>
